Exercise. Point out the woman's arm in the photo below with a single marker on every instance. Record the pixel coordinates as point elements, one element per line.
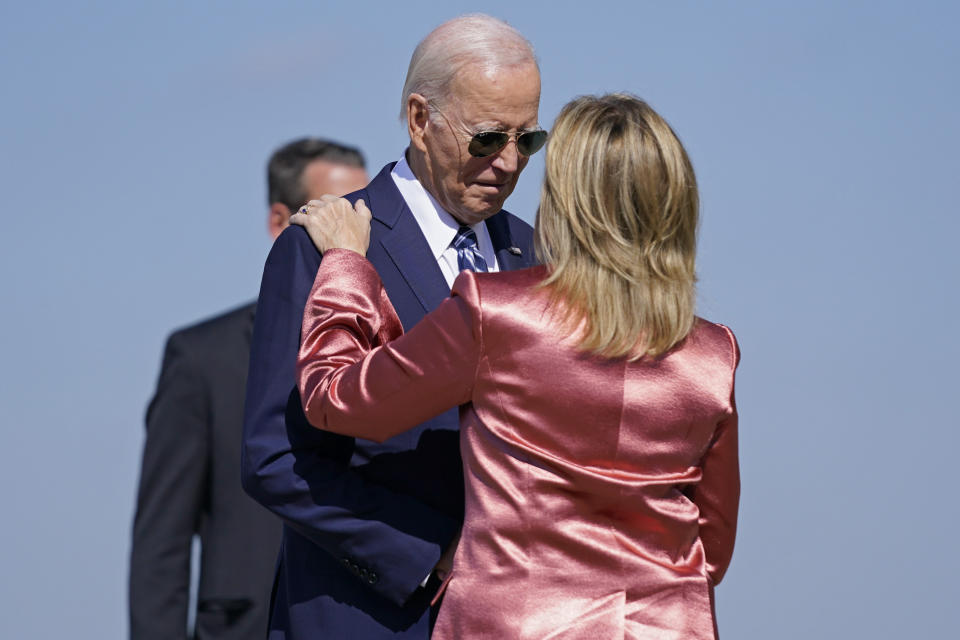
<point>717,495</point>
<point>354,381</point>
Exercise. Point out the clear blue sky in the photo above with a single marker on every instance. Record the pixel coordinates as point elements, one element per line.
<point>133,139</point>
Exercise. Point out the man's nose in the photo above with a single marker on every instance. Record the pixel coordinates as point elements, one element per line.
<point>508,158</point>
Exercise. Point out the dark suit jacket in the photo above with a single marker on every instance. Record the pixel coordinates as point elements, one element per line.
<point>190,484</point>
<point>364,522</point>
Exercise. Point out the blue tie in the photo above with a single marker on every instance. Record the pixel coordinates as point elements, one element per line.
<point>468,253</point>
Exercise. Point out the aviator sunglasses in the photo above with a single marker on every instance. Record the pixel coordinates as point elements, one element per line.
<point>487,143</point>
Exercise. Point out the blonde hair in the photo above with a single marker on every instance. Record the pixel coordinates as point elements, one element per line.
<point>617,227</point>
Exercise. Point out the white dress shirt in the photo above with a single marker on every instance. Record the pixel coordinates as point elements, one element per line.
<point>438,226</point>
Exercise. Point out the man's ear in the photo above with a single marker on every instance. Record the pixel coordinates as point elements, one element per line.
<point>418,116</point>
<point>278,219</point>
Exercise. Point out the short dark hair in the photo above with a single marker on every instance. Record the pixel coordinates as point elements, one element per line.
<point>287,163</point>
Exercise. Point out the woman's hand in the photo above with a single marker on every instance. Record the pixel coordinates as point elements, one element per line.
<point>332,223</point>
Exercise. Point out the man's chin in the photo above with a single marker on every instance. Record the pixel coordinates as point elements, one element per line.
<point>476,214</point>
<point>485,206</point>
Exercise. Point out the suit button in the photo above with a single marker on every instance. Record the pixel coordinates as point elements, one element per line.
<point>364,573</point>
<point>372,578</point>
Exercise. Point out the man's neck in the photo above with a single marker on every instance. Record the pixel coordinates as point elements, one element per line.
<point>418,165</point>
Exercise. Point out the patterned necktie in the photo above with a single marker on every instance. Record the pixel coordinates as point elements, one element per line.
<point>468,253</point>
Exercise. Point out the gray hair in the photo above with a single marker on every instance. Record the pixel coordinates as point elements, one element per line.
<point>475,38</point>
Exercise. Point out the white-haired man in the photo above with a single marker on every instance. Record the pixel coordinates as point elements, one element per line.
<point>366,525</point>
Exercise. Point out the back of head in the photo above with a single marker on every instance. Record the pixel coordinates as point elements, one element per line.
<point>617,226</point>
<point>286,166</point>
<point>474,39</point>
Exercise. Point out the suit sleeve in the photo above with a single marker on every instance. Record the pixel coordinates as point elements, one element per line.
<point>359,376</point>
<point>170,498</point>
<point>303,474</point>
<point>718,494</point>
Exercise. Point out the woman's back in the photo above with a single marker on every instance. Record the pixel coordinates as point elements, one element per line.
<point>601,494</point>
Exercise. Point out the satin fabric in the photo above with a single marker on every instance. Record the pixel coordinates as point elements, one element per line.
<point>601,495</point>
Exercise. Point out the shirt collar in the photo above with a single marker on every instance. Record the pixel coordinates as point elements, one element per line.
<point>438,226</point>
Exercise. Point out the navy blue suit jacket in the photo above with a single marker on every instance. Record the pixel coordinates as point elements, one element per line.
<point>364,523</point>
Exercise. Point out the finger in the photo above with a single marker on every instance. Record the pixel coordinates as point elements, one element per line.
<point>361,208</point>
<point>329,197</point>
<point>299,218</point>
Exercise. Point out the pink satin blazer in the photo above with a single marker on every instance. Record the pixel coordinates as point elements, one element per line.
<point>601,495</point>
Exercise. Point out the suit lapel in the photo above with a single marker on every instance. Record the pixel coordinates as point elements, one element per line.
<point>403,241</point>
<point>509,256</point>
<point>411,254</point>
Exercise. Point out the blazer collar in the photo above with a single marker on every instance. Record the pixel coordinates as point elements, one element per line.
<point>403,241</point>
<point>385,202</point>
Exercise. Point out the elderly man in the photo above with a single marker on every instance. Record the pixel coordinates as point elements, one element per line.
<point>190,478</point>
<point>366,524</point>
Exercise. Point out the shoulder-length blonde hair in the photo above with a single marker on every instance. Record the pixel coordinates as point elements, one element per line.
<point>617,227</point>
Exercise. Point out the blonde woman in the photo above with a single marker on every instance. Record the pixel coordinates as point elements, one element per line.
<point>598,422</point>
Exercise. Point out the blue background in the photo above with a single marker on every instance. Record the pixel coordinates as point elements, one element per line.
<point>133,143</point>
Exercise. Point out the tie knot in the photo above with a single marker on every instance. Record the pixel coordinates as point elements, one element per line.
<point>465,238</point>
<point>468,251</point>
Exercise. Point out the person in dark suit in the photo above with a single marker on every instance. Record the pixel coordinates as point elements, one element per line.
<point>367,526</point>
<point>190,475</point>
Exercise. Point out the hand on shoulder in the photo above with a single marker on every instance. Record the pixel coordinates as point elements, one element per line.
<point>333,223</point>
